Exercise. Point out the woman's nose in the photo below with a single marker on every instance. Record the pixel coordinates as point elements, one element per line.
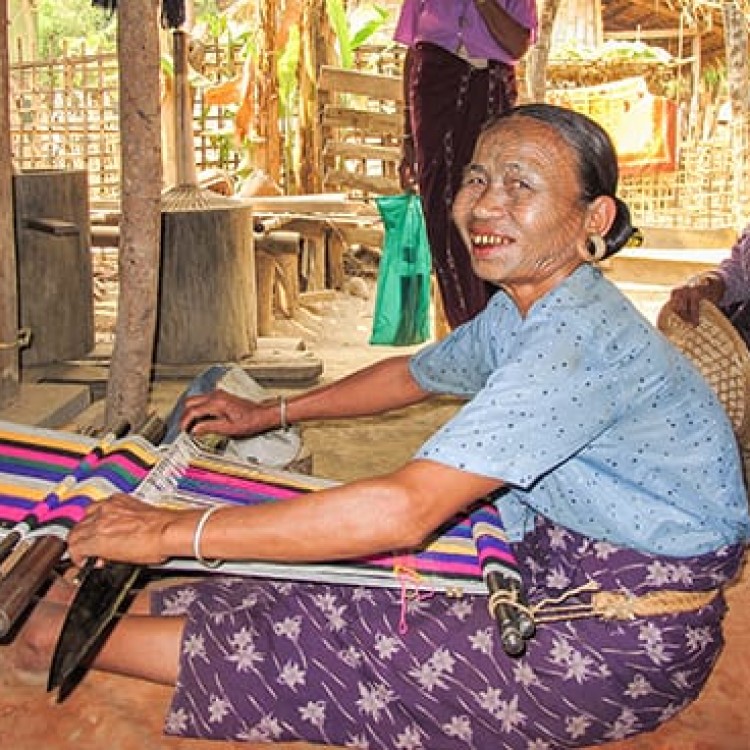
<point>489,203</point>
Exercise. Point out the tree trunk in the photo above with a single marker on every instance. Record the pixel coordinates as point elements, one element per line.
<point>536,65</point>
<point>736,41</point>
<point>267,109</point>
<point>8,295</point>
<point>316,44</point>
<point>138,53</point>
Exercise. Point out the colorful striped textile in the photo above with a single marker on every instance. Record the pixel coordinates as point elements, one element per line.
<point>48,477</point>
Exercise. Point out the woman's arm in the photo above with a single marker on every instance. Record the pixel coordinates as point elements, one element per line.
<point>509,34</point>
<point>370,516</point>
<point>376,389</point>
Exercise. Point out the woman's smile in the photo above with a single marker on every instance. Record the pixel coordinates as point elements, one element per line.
<point>486,245</point>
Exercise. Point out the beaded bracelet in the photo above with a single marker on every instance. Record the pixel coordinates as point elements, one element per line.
<point>197,538</point>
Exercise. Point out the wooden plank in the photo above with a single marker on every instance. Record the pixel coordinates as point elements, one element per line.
<point>365,183</point>
<point>362,151</point>
<point>370,123</point>
<point>321,203</point>
<point>374,85</point>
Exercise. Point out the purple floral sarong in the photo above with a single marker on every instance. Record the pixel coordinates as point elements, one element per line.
<point>279,661</point>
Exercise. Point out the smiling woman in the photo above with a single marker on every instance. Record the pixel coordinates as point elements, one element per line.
<point>610,460</point>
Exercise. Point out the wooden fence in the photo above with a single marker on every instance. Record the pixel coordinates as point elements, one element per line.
<point>64,115</point>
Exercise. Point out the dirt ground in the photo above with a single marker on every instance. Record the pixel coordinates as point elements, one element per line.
<point>123,714</point>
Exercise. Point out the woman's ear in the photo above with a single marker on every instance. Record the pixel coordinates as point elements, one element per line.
<point>601,214</point>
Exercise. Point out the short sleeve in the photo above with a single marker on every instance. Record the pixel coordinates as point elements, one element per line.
<point>551,398</point>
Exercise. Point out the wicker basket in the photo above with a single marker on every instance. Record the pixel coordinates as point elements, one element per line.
<point>722,357</point>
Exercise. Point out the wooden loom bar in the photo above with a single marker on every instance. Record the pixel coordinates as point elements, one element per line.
<point>26,577</point>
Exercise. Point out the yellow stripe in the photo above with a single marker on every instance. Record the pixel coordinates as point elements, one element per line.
<point>35,494</point>
<point>487,529</point>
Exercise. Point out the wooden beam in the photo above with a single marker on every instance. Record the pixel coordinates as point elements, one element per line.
<point>363,151</point>
<point>9,386</point>
<point>373,85</point>
<point>371,123</point>
<point>651,34</point>
<point>366,183</point>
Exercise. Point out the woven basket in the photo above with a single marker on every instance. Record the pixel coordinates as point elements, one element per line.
<point>722,357</point>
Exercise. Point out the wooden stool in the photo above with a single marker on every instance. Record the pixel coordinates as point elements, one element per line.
<point>277,266</point>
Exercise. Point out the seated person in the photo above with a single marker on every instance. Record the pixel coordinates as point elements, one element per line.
<point>727,286</point>
<point>610,459</point>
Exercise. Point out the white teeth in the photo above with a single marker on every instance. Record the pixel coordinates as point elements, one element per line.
<point>489,240</point>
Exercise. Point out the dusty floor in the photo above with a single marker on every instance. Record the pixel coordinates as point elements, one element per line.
<point>122,714</point>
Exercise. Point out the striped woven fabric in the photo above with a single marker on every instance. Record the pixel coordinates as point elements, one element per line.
<point>48,477</point>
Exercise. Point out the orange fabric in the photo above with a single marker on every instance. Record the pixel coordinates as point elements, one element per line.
<point>642,126</point>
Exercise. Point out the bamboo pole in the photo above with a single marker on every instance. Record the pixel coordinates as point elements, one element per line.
<point>9,386</point>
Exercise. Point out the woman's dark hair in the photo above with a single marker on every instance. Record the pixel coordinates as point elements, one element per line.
<point>597,161</point>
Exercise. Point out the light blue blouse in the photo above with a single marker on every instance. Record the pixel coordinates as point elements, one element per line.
<point>592,418</point>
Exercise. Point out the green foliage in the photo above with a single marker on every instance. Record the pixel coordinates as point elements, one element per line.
<point>75,22</point>
<point>353,30</point>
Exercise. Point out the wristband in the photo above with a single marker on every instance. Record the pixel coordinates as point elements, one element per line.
<point>197,538</point>
<point>284,424</point>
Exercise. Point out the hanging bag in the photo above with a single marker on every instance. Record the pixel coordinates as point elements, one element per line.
<point>402,303</point>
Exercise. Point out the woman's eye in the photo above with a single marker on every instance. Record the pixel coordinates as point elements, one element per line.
<point>516,184</point>
<point>473,179</point>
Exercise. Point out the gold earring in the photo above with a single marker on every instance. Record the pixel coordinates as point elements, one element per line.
<point>596,247</point>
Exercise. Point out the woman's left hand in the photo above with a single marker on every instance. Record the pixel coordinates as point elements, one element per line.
<point>122,529</point>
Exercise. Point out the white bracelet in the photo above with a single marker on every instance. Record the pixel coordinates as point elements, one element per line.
<point>199,533</point>
<point>282,413</point>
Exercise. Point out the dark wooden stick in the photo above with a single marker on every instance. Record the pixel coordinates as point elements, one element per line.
<point>26,577</point>
<point>7,545</point>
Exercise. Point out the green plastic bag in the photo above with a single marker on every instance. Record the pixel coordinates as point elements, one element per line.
<point>402,304</point>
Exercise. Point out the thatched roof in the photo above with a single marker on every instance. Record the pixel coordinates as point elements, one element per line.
<point>649,16</point>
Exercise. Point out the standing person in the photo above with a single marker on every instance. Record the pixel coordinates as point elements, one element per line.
<point>727,286</point>
<point>459,72</point>
<point>611,461</point>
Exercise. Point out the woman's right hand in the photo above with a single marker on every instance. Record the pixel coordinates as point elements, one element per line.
<point>407,168</point>
<point>223,413</point>
<point>685,300</point>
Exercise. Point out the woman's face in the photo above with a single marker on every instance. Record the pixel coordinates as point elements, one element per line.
<point>519,209</point>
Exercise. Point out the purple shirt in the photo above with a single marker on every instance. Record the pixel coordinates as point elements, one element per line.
<point>451,23</point>
<point>735,270</point>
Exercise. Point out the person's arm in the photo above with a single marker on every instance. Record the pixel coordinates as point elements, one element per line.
<point>685,299</point>
<point>397,511</point>
<point>373,390</point>
<point>512,36</point>
<point>407,168</point>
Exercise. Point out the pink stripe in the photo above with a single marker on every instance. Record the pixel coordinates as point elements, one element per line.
<point>14,514</point>
<point>31,455</point>
<point>72,513</point>
<point>247,485</point>
<point>427,566</point>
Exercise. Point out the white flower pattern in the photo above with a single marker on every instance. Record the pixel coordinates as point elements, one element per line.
<point>329,664</point>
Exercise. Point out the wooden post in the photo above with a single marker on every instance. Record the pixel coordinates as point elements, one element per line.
<point>140,227</point>
<point>267,112</point>
<point>8,297</point>
<point>536,67</point>
<point>736,41</point>
<point>316,46</point>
